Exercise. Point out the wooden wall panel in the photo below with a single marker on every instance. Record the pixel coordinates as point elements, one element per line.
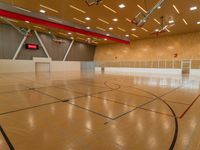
<point>187,46</point>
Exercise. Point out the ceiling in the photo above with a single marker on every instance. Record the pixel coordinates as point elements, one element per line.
<point>102,17</point>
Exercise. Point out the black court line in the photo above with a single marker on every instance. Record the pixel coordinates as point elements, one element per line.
<point>102,115</point>
<point>8,92</point>
<point>174,114</point>
<point>182,115</point>
<point>6,138</point>
<point>129,93</point>
<point>27,108</point>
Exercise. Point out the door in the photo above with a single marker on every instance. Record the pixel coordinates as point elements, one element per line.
<point>42,67</point>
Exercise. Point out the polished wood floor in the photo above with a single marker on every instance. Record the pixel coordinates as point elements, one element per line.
<point>87,111</point>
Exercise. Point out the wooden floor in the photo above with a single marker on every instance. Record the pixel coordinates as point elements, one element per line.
<point>74,111</point>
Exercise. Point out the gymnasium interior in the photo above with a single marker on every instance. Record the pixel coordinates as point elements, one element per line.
<point>99,75</point>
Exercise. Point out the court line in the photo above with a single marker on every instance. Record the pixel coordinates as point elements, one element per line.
<point>27,108</point>
<point>183,114</point>
<point>174,114</point>
<point>6,138</point>
<point>90,111</point>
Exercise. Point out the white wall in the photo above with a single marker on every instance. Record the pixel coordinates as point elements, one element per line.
<point>140,70</point>
<point>12,66</point>
<point>65,66</point>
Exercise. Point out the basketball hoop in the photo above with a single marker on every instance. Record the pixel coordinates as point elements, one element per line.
<point>93,2</point>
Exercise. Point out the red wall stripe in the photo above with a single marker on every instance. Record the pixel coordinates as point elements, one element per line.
<point>21,17</point>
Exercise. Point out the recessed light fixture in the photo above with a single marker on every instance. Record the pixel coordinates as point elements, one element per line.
<point>79,20</point>
<point>133,29</point>
<point>109,9</point>
<point>193,8</point>
<point>115,19</point>
<point>104,21</point>
<point>51,9</point>
<point>134,35</point>
<point>176,9</point>
<point>22,9</point>
<point>53,19</point>
<point>141,8</point>
<point>185,21</point>
<point>111,28</point>
<point>27,21</point>
<point>62,33</point>
<point>88,28</point>
<point>69,33</point>
<point>123,30</point>
<point>100,28</point>
<point>122,6</point>
<point>198,22</point>
<point>127,35</point>
<point>171,21</point>
<point>144,29</point>
<point>156,20</point>
<point>107,34</point>
<point>78,9</point>
<point>159,7</point>
<point>105,39</point>
<point>42,11</point>
<point>87,18</point>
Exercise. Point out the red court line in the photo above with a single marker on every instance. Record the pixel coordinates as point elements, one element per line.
<point>189,107</point>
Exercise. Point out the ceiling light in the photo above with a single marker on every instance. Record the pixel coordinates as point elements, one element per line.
<point>12,20</point>
<point>127,19</point>
<point>122,6</point>
<point>56,20</point>
<point>141,8</point>
<point>198,22</point>
<point>176,9</point>
<point>144,29</point>
<point>42,11</point>
<point>110,28</point>
<point>156,30</point>
<point>62,33</point>
<point>171,21</point>
<point>193,8</point>
<point>109,9</point>
<point>79,20</point>
<point>22,9</point>
<point>121,29</point>
<point>49,8</point>
<point>133,29</point>
<point>105,39</point>
<point>185,21</point>
<point>87,18</point>
<point>69,33</point>
<point>115,19</point>
<point>168,30</point>
<point>27,21</point>
<point>134,35</point>
<point>156,21</point>
<point>159,7</point>
<point>39,27</point>
<point>127,35</point>
<point>106,22</point>
<point>101,29</point>
<point>88,28</point>
<point>78,9</point>
<point>107,34</point>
